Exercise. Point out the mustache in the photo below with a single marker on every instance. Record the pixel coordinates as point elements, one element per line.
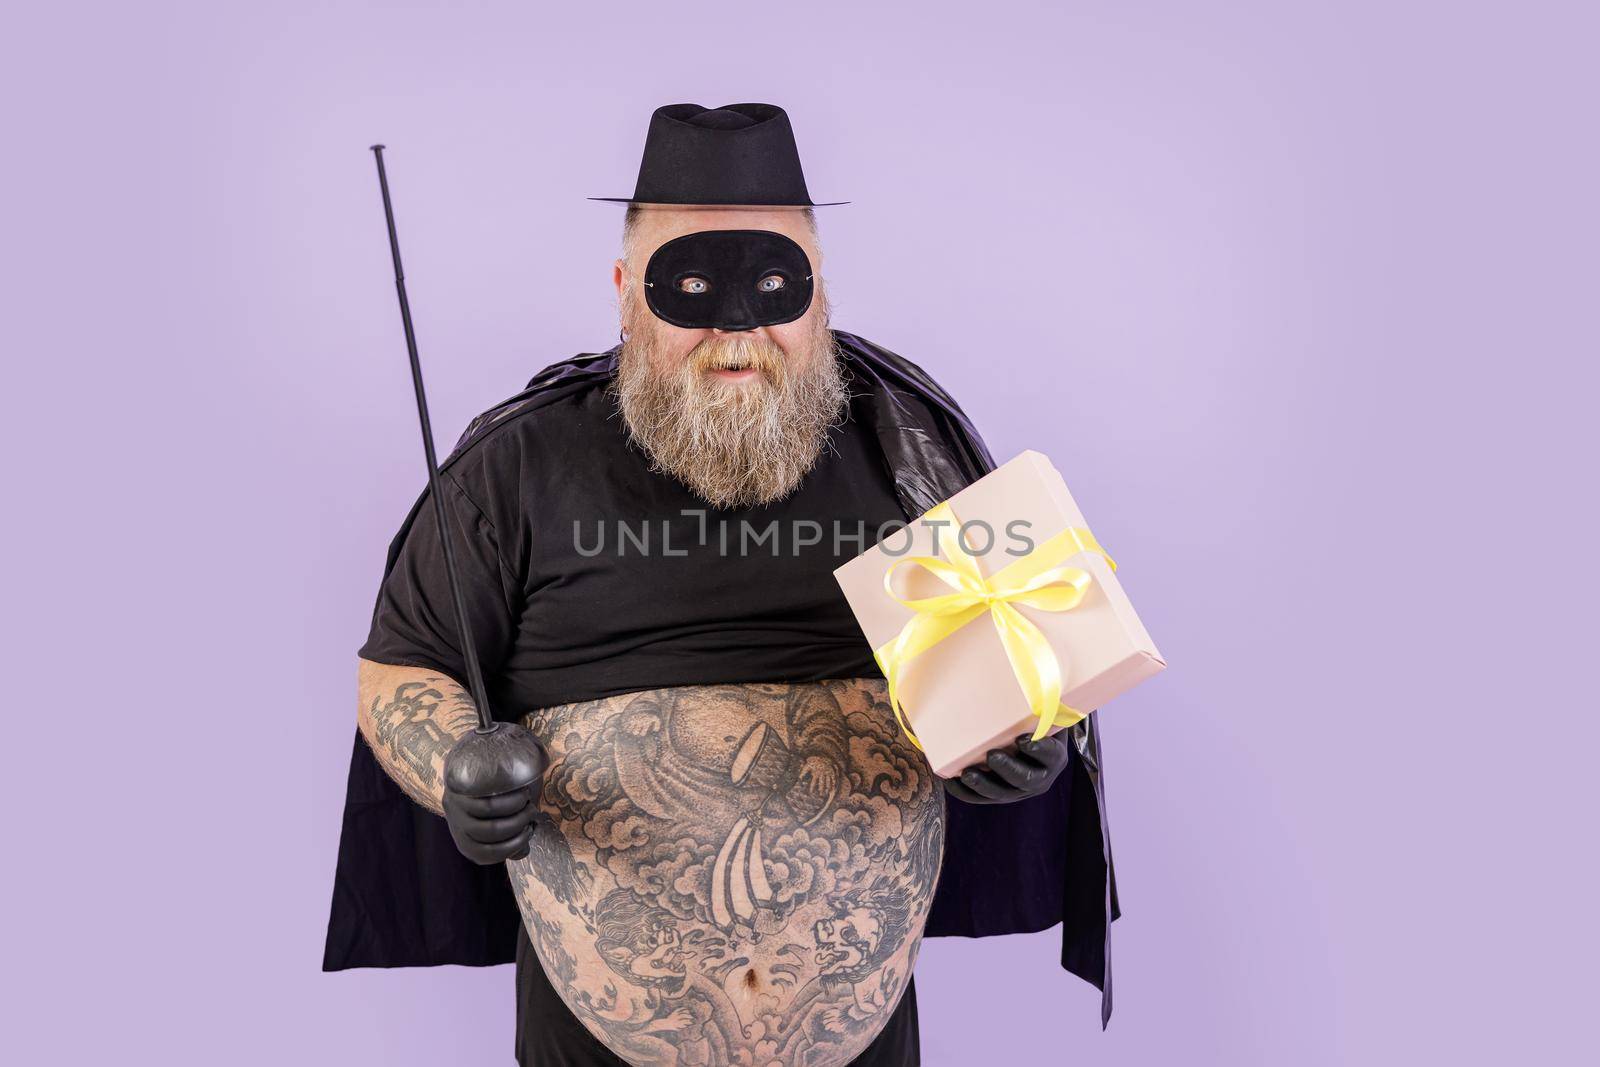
<point>739,352</point>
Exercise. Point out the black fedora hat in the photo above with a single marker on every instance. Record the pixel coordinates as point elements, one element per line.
<point>737,154</point>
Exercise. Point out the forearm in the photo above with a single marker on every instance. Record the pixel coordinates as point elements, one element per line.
<point>411,717</point>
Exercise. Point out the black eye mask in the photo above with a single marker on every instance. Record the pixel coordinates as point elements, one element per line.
<point>728,280</point>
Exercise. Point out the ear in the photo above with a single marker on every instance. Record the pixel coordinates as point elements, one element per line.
<point>616,276</point>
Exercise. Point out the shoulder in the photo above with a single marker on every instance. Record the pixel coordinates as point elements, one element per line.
<point>890,370</point>
<point>512,448</point>
<point>555,403</point>
<point>899,394</point>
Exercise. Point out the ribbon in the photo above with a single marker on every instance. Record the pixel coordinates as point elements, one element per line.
<point>1039,580</point>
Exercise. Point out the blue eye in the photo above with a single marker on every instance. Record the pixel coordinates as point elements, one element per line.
<point>694,285</point>
<point>771,283</point>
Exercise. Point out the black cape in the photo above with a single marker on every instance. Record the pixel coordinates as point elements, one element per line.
<point>404,897</point>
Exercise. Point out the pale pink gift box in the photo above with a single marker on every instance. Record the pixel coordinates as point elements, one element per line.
<point>961,696</point>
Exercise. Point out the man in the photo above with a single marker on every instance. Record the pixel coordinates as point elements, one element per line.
<point>733,853</point>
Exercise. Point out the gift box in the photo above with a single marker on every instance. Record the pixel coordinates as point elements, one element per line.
<point>997,614</point>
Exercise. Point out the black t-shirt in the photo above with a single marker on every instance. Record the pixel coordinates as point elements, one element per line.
<point>587,574</point>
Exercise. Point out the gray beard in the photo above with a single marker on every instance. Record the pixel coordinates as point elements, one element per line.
<point>732,444</point>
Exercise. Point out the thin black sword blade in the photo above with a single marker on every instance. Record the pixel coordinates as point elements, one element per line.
<point>469,650</point>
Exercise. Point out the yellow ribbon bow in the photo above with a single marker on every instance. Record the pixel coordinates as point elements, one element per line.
<point>1039,580</point>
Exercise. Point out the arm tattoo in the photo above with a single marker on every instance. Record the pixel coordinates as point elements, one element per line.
<point>415,727</point>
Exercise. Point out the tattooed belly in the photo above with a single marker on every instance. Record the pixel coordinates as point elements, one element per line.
<point>732,874</point>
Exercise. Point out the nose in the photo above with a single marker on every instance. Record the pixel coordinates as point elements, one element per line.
<point>734,329</point>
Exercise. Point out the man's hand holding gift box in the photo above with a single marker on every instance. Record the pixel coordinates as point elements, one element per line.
<point>993,615</point>
<point>1024,770</point>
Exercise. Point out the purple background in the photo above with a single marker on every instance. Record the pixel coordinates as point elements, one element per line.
<point>1301,298</point>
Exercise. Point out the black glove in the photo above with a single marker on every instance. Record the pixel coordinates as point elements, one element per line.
<point>1024,770</point>
<point>491,793</point>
